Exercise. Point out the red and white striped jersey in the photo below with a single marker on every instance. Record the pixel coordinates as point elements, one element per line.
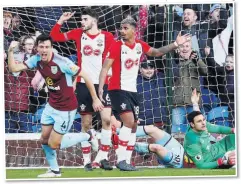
<point>91,49</point>
<point>126,64</point>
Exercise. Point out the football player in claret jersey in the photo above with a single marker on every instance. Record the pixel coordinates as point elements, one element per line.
<point>92,45</point>
<point>124,58</point>
<point>59,112</point>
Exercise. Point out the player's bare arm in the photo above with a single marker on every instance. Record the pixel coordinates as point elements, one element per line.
<point>165,49</point>
<point>195,99</point>
<point>65,16</point>
<point>97,105</point>
<point>103,74</point>
<point>14,67</point>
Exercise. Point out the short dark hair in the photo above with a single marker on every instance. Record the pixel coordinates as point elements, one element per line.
<point>192,115</point>
<point>129,20</point>
<point>42,38</point>
<point>90,12</point>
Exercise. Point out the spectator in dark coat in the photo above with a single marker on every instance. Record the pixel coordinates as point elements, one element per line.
<point>152,94</point>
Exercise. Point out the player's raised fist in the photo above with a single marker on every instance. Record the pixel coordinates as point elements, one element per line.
<point>65,16</point>
<point>13,45</point>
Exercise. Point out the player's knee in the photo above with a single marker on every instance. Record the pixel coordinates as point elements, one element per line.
<point>44,140</point>
<point>86,124</point>
<point>148,129</point>
<point>155,147</point>
<point>105,121</point>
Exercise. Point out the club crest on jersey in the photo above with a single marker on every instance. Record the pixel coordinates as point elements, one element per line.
<point>54,69</point>
<point>99,42</point>
<point>123,106</point>
<point>82,107</point>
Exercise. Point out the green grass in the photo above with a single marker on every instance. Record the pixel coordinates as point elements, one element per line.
<point>99,173</point>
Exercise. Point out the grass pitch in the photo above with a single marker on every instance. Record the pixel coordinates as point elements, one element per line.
<point>99,173</point>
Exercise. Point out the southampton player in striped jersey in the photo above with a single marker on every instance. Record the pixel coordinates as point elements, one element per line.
<point>124,58</point>
<point>92,45</point>
<point>59,112</point>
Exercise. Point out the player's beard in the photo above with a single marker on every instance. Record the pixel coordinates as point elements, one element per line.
<point>86,28</point>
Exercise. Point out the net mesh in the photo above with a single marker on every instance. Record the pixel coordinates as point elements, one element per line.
<point>158,25</point>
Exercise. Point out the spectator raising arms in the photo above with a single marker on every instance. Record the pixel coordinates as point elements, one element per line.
<point>17,91</point>
<point>190,68</point>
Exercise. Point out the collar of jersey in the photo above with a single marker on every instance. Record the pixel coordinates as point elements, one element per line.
<point>128,45</point>
<point>93,36</point>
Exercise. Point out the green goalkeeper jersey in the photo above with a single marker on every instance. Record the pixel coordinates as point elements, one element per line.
<point>204,154</point>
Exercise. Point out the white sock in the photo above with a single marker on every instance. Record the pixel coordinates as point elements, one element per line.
<point>124,137</point>
<point>86,150</point>
<point>130,147</point>
<point>105,145</point>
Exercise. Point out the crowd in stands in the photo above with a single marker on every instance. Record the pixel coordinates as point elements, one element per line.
<point>205,63</point>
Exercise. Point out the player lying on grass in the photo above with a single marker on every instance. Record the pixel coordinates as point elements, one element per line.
<point>59,112</point>
<point>168,150</point>
<point>197,141</point>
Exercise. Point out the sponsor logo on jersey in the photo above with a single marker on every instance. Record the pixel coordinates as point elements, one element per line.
<point>54,88</point>
<point>97,52</point>
<point>129,63</point>
<point>87,50</point>
<point>123,106</point>
<point>50,83</point>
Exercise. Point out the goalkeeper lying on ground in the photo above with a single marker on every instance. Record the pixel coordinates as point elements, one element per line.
<point>197,141</point>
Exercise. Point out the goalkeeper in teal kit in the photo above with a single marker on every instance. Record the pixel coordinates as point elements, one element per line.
<point>197,141</point>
